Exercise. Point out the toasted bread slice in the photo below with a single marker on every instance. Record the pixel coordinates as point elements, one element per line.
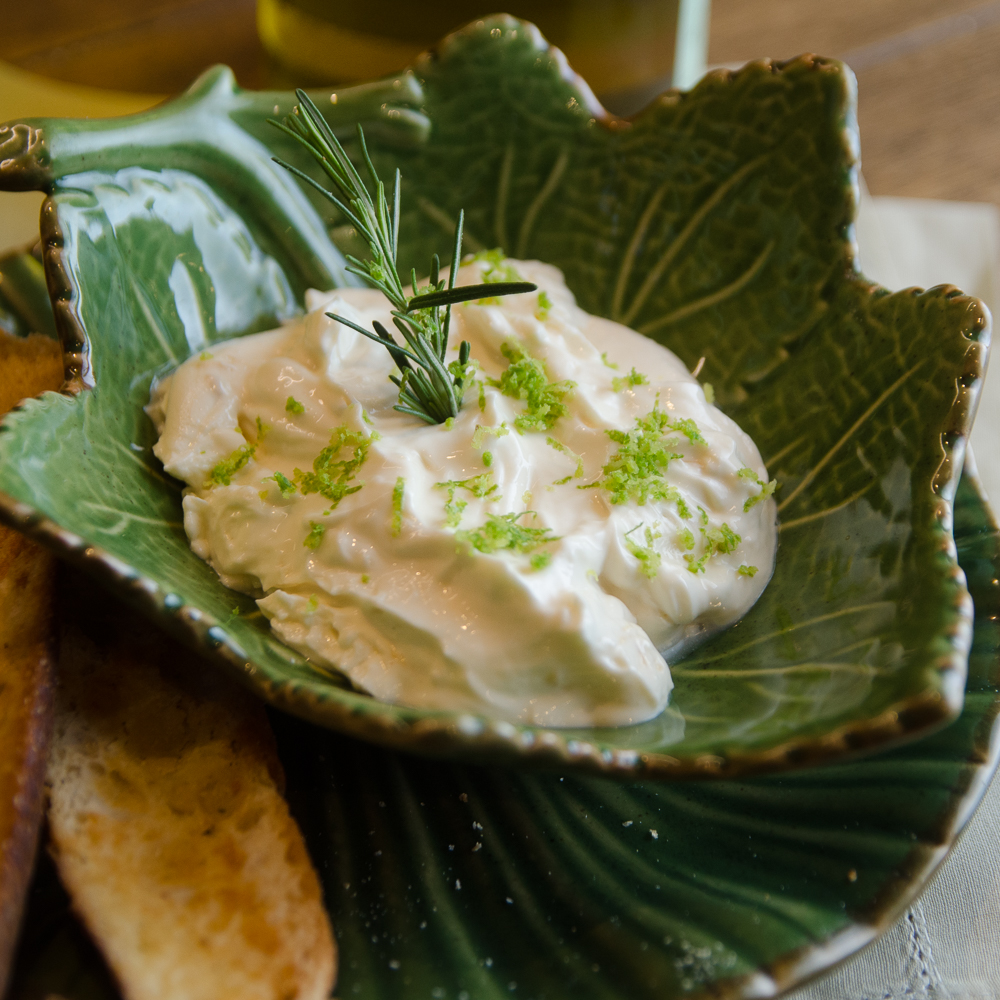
<point>28,366</point>
<point>26,687</point>
<point>168,826</point>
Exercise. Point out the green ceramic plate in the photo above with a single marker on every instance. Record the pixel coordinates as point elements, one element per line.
<point>600,890</point>
<point>718,222</point>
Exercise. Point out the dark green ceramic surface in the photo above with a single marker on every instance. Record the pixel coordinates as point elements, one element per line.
<point>718,222</point>
<point>446,882</point>
<point>24,300</point>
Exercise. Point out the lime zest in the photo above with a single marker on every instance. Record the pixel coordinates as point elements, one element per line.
<point>292,405</point>
<point>525,379</point>
<point>722,540</point>
<point>572,455</point>
<point>746,570</point>
<point>496,271</point>
<point>331,478</point>
<point>481,433</point>
<point>479,486</point>
<point>687,427</point>
<point>649,559</point>
<point>637,470</point>
<point>315,537</point>
<point>629,381</point>
<point>766,489</point>
<point>222,474</point>
<point>544,306</point>
<point>718,541</point>
<point>285,486</point>
<point>397,506</point>
<point>501,533</point>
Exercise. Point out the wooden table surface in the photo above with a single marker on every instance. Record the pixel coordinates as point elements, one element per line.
<point>928,70</point>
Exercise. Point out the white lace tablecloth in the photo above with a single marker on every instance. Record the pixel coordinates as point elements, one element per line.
<point>947,945</point>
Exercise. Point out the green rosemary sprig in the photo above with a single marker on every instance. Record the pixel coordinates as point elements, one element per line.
<point>428,387</point>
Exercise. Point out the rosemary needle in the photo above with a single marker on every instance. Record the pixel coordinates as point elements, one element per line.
<point>428,387</point>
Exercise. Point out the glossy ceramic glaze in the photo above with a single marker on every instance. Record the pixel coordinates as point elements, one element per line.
<point>594,889</point>
<point>452,882</point>
<point>718,222</point>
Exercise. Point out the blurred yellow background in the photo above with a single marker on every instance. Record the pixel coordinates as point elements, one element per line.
<point>928,72</point>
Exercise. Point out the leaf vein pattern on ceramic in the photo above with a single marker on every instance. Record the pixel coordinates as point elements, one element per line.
<point>711,211</point>
<point>448,881</point>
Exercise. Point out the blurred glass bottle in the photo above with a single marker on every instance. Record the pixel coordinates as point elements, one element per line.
<point>627,50</point>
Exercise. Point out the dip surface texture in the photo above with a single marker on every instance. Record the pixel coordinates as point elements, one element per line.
<point>528,560</point>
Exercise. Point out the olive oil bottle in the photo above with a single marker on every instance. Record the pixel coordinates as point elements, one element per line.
<point>627,50</point>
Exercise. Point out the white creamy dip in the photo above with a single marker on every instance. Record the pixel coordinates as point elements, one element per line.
<point>405,584</point>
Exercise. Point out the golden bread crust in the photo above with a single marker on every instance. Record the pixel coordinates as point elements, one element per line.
<point>169,829</point>
<point>28,366</point>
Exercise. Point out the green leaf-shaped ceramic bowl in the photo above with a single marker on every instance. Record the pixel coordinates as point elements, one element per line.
<point>450,882</point>
<point>718,222</point>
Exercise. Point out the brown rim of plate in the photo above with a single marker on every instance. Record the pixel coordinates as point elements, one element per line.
<point>438,736</point>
